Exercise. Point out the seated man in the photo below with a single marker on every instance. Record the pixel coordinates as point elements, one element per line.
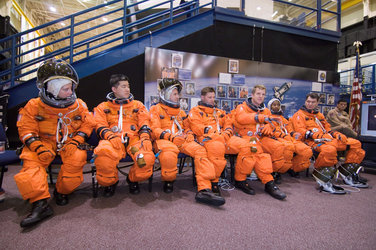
<point>56,122</point>
<point>339,120</point>
<point>123,127</point>
<point>309,122</point>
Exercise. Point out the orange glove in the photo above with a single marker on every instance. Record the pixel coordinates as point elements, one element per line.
<point>226,134</point>
<point>267,130</point>
<point>288,138</point>
<point>190,138</point>
<point>339,136</point>
<point>146,144</point>
<point>44,154</point>
<point>178,140</point>
<point>72,146</point>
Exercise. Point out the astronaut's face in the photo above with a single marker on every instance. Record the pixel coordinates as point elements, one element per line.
<point>65,91</point>
<point>311,103</point>
<point>208,98</point>
<point>174,97</point>
<point>258,97</point>
<point>276,106</point>
<point>122,90</point>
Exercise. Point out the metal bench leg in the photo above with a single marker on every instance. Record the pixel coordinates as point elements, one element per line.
<point>94,181</point>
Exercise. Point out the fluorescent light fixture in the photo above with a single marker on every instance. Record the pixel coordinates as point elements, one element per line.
<point>258,8</point>
<point>52,9</point>
<point>105,19</point>
<point>62,24</point>
<point>275,13</point>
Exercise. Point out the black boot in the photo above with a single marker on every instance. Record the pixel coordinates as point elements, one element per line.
<point>274,191</point>
<point>292,173</point>
<point>110,190</point>
<point>61,199</point>
<point>168,187</point>
<point>244,186</point>
<point>134,188</point>
<point>40,210</point>
<point>208,197</point>
<point>216,189</point>
<point>277,178</point>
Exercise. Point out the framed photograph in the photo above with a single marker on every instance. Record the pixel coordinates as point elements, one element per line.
<point>233,92</point>
<point>177,60</point>
<point>224,78</point>
<point>236,103</point>
<point>325,110</point>
<point>233,66</point>
<point>330,100</point>
<point>243,92</point>
<point>221,91</point>
<point>217,103</point>
<point>169,73</point>
<point>190,88</point>
<point>322,98</point>
<point>238,79</point>
<point>226,105</point>
<point>185,74</point>
<point>184,104</point>
<point>154,100</point>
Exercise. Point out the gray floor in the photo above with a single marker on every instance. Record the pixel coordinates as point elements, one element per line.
<point>308,219</point>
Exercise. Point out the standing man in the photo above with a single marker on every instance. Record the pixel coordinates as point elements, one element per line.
<point>56,122</point>
<point>211,127</point>
<point>339,120</point>
<point>252,122</point>
<point>123,125</point>
<point>308,121</point>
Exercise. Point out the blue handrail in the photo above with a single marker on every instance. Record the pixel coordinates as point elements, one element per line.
<point>81,43</point>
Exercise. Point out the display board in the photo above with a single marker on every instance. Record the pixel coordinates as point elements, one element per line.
<point>234,79</point>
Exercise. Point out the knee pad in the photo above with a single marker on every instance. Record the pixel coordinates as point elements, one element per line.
<point>31,182</point>
<point>68,182</point>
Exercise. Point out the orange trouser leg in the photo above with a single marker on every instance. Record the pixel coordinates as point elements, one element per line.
<point>302,158</point>
<point>70,175</point>
<point>327,154</point>
<point>275,149</point>
<point>168,158</point>
<point>216,154</point>
<point>263,167</point>
<point>32,179</point>
<point>245,160</point>
<point>288,154</point>
<point>205,170</point>
<point>356,153</point>
<point>106,161</point>
<point>137,173</point>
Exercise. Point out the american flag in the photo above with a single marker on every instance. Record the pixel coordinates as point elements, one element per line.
<point>356,93</point>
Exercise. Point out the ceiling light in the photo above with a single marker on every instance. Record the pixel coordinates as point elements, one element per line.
<point>275,13</point>
<point>258,8</point>
<point>104,1</point>
<point>62,24</point>
<point>52,9</point>
<point>105,19</point>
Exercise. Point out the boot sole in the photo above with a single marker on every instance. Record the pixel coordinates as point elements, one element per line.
<point>216,203</point>
<point>31,223</point>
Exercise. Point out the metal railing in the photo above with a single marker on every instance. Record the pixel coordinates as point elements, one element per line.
<point>88,33</point>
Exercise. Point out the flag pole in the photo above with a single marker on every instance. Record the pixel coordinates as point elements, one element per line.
<point>356,92</point>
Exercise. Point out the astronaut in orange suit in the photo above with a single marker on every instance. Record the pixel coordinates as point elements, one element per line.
<point>310,123</point>
<point>251,122</point>
<point>211,126</point>
<point>56,122</point>
<point>172,135</point>
<point>297,154</point>
<point>123,125</point>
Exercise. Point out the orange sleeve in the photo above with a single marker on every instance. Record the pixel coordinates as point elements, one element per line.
<point>26,122</point>
<point>100,116</point>
<point>298,123</point>
<point>195,121</point>
<point>155,121</point>
<point>88,122</point>
<point>324,122</point>
<point>143,115</point>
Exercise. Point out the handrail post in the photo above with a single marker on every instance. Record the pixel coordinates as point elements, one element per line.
<point>125,21</point>
<point>13,61</point>
<point>318,15</point>
<point>71,40</point>
<point>171,8</point>
<point>338,16</point>
<point>197,6</point>
<point>242,6</point>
